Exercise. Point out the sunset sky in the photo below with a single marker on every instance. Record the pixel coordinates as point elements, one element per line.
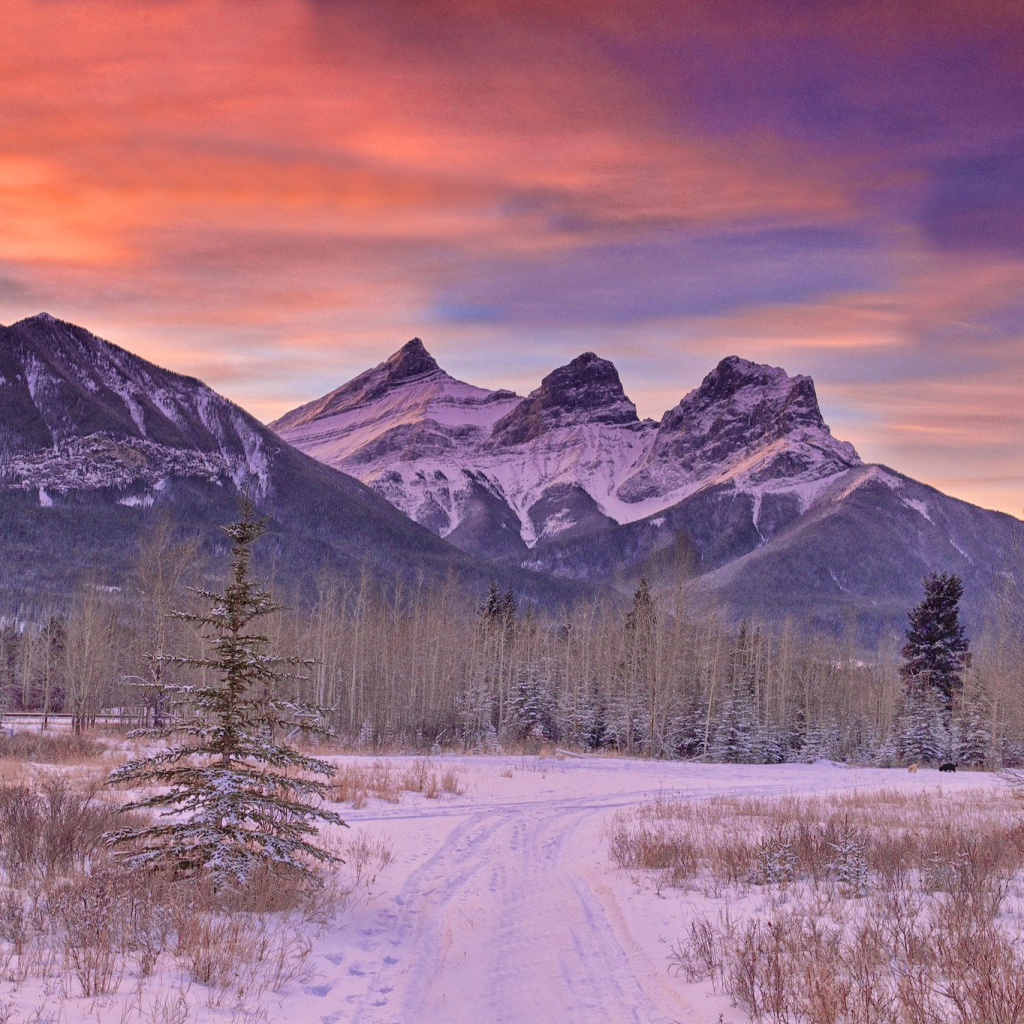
<point>273,195</point>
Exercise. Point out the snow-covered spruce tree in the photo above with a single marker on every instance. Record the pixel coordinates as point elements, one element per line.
<point>233,798</point>
<point>533,706</point>
<point>735,739</point>
<point>936,650</point>
<point>921,729</point>
<point>971,731</point>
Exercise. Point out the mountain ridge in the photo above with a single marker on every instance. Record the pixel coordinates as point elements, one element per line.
<point>94,440</point>
<point>734,486</point>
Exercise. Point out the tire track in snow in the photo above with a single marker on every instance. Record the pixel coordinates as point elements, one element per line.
<point>497,927</point>
<point>511,919</point>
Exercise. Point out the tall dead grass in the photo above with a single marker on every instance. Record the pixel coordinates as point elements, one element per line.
<point>865,908</point>
<point>79,919</point>
<point>49,748</point>
<point>888,834</point>
<point>387,780</point>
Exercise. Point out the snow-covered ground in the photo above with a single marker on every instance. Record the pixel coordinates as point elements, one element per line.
<point>501,904</point>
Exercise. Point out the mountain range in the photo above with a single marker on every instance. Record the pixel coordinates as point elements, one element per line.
<point>738,497</point>
<point>740,489</point>
<point>95,442</point>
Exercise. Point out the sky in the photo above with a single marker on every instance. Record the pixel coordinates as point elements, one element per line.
<point>274,195</point>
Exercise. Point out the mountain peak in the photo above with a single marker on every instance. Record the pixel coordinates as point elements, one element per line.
<point>586,390</point>
<point>411,360</point>
<point>43,318</point>
<point>733,375</point>
<point>741,407</point>
<point>762,393</point>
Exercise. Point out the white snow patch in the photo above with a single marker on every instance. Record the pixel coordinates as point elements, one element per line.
<point>918,506</point>
<point>961,550</point>
<point>136,500</point>
<point>527,842</point>
<point>756,512</point>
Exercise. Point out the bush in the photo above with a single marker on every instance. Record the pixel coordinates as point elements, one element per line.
<point>52,832</point>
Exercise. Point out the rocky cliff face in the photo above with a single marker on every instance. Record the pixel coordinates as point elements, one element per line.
<point>585,391</point>
<point>81,414</point>
<point>746,420</point>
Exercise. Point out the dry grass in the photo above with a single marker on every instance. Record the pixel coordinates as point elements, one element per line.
<point>366,855</point>
<point>83,923</point>
<point>54,830</point>
<point>387,780</point>
<point>50,748</point>
<point>760,841</point>
<point>863,908</point>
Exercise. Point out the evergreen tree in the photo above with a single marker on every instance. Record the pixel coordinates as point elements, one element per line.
<point>238,798</point>
<point>922,734</point>
<point>532,711</point>
<point>499,612</point>
<point>735,738</point>
<point>936,650</point>
<point>972,728</point>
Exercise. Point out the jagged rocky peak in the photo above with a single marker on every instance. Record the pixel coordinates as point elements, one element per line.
<point>742,405</point>
<point>411,360</point>
<point>754,397</point>
<point>587,390</point>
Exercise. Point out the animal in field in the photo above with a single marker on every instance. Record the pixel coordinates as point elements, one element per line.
<point>947,767</point>
<point>912,768</point>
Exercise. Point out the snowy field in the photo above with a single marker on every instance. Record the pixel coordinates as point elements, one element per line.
<point>501,904</point>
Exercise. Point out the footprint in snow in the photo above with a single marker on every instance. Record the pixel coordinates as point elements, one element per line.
<point>317,990</point>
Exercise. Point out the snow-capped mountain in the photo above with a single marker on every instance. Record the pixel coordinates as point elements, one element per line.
<point>498,475</point>
<point>81,414</point>
<point>740,491</point>
<point>741,485</point>
<point>92,437</point>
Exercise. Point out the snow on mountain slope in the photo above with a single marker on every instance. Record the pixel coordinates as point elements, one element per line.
<point>94,441</point>
<point>403,393</point>
<point>497,474</point>
<point>81,413</point>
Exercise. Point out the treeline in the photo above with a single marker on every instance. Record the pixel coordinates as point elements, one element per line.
<point>426,667</point>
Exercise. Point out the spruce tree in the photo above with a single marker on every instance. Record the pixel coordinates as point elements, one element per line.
<point>936,650</point>
<point>633,709</point>
<point>232,796</point>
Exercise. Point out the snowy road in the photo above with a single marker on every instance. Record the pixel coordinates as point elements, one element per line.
<point>502,908</point>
